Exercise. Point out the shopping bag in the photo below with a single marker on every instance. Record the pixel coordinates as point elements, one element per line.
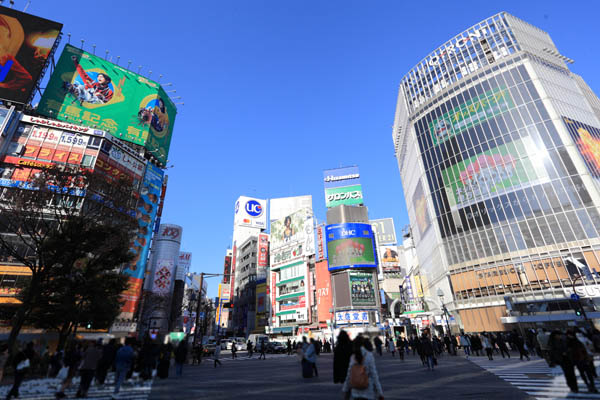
<point>63,373</point>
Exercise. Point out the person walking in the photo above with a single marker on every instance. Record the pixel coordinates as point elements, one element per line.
<point>465,343</point>
<point>520,344</point>
<point>501,341</point>
<point>123,363</point>
<point>559,355</point>
<point>582,360</point>
<point>378,345</point>
<point>217,354</point>
<point>263,347</point>
<point>3,359</point>
<point>542,339</point>
<point>392,347</point>
<point>341,357</point>
<point>164,362</point>
<point>362,380</point>
<point>310,354</point>
<point>107,360</point>
<point>21,364</point>
<point>400,346</point>
<point>487,345</point>
<point>91,357</point>
<point>249,348</point>
<point>289,347</point>
<point>427,350</point>
<point>72,359</point>
<point>181,356</point>
<point>233,350</point>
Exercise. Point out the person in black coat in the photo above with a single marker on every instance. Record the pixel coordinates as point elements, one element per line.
<point>109,352</point>
<point>341,357</point>
<point>181,357</point>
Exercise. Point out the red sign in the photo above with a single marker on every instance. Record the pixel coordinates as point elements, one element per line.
<point>320,243</point>
<point>273,295</point>
<point>132,295</point>
<point>27,163</point>
<point>292,305</point>
<point>263,249</point>
<point>227,269</point>
<point>324,294</point>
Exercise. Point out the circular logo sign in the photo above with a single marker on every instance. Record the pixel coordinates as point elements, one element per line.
<point>253,208</point>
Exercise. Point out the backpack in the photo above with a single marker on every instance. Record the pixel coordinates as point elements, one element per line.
<point>359,378</point>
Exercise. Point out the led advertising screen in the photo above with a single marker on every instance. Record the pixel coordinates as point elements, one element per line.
<point>26,42</point>
<point>350,245</point>
<point>587,139</point>
<point>494,172</point>
<point>342,186</point>
<point>362,288</point>
<point>98,93</point>
<point>469,114</point>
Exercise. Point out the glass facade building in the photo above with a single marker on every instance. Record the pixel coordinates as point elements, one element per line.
<point>498,146</point>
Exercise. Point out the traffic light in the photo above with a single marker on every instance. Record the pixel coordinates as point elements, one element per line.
<point>89,325</point>
<point>578,312</point>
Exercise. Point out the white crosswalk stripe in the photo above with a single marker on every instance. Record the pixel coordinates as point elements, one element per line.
<point>44,389</point>
<point>226,358</point>
<point>535,378</point>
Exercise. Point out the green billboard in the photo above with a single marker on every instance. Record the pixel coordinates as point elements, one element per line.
<point>86,89</point>
<point>489,174</point>
<point>347,195</point>
<point>469,114</point>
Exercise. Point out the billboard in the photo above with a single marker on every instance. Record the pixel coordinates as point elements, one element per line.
<point>292,236</point>
<point>293,303</point>
<point>351,317</point>
<point>342,186</point>
<point>587,140</point>
<point>362,288</point>
<point>350,245</point>
<point>281,207</point>
<point>384,230</point>
<point>469,114</point>
<point>27,42</point>
<point>421,212</point>
<point>390,259</point>
<point>273,293</point>
<point>263,250</point>
<point>88,88</point>
<point>184,263</point>
<point>163,277</point>
<point>250,212</point>
<point>324,291</point>
<point>227,269</point>
<point>321,248</point>
<point>494,172</point>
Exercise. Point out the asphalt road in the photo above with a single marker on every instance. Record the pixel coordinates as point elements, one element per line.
<point>279,377</point>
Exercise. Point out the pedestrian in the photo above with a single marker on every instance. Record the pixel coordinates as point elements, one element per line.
<point>310,354</point>
<point>520,344</point>
<point>487,345</point>
<point>72,359</point>
<point>465,343</point>
<point>217,354</point>
<point>400,346</point>
<point>107,360</point>
<point>378,345</point>
<point>501,341</point>
<point>341,357</point>
<point>427,350</point>
<point>233,351</point>
<point>148,355</point>
<point>249,348</point>
<point>263,346</point>
<point>3,359</point>
<point>181,356</point>
<point>289,347</point>
<point>123,362</point>
<point>542,339</point>
<point>164,362</point>
<point>21,364</point>
<point>362,380</point>
<point>476,345</point>
<point>91,357</point>
<point>559,355</point>
<point>392,347</point>
<point>582,360</point>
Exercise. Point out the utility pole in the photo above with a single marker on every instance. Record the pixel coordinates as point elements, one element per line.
<point>199,304</point>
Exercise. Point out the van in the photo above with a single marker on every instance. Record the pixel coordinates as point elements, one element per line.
<point>258,340</point>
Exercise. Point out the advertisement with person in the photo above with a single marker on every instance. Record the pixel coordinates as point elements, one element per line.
<point>350,245</point>
<point>587,140</point>
<point>289,229</point>
<point>494,172</point>
<point>163,277</point>
<point>102,94</point>
<point>390,261</point>
<point>421,212</point>
<point>26,44</point>
<point>362,288</point>
<point>324,291</point>
<point>281,207</point>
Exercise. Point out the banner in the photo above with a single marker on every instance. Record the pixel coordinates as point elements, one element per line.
<point>362,289</point>
<point>321,249</point>
<point>421,212</point>
<point>131,107</point>
<point>273,294</point>
<point>384,230</point>
<point>163,277</point>
<point>587,139</point>
<point>345,195</point>
<point>469,114</point>
<point>184,263</point>
<point>494,172</point>
<point>263,250</point>
<point>293,303</point>
<point>350,245</point>
<point>27,42</point>
<point>324,291</point>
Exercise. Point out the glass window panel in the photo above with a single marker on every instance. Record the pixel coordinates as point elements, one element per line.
<point>595,217</point>
<point>529,242</point>
<point>566,159</point>
<point>555,228</point>
<point>545,230</point>
<point>518,237</point>
<point>576,225</point>
<point>552,198</point>
<point>586,223</point>
<point>565,228</point>
<point>581,190</point>
<point>553,133</point>
<point>562,195</point>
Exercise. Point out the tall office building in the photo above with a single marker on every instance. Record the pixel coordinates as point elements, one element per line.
<point>497,143</point>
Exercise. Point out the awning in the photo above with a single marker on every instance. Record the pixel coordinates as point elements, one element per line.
<point>285,329</point>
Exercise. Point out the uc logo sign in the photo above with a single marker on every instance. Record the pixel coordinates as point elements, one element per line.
<point>253,208</point>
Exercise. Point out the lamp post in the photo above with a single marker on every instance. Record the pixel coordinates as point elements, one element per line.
<point>440,294</point>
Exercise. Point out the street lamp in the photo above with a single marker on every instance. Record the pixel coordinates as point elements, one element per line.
<point>440,294</point>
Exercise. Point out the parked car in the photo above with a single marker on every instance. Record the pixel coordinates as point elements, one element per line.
<point>225,344</point>
<point>209,348</point>
<point>275,347</point>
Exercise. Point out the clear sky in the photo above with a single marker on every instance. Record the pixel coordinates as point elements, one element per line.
<point>276,91</point>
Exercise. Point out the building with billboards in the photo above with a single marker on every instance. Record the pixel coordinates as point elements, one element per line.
<point>493,136</point>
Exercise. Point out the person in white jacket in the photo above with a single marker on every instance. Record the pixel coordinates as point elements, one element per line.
<point>365,358</point>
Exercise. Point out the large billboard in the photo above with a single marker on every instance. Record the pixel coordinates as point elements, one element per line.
<point>491,173</point>
<point>469,114</point>
<point>88,88</point>
<point>362,288</point>
<point>292,235</point>
<point>184,263</point>
<point>384,230</point>
<point>421,212</point>
<point>587,139</point>
<point>281,207</point>
<point>342,186</point>
<point>163,277</point>
<point>324,291</point>
<point>350,245</point>
<point>390,258</point>
<point>250,212</point>
<point>27,42</point>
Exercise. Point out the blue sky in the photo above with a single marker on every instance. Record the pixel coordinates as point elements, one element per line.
<point>277,91</point>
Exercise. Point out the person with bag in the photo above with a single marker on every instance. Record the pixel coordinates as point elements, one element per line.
<point>217,353</point>
<point>362,380</point>
<point>582,360</point>
<point>72,360</point>
<point>21,363</point>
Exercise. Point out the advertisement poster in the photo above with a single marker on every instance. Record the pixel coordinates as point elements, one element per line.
<point>324,291</point>
<point>350,246</point>
<point>273,293</point>
<point>26,42</point>
<point>184,263</point>
<point>362,289</point>
<point>384,230</point>
<point>163,277</point>
<point>227,269</point>
<point>390,261</point>
<point>345,195</point>
<point>492,173</point>
<point>250,212</point>
<point>472,113</point>
<point>284,206</point>
<point>587,139</point>
<point>129,106</point>
<point>351,317</point>
<point>263,250</point>
<point>293,303</point>
<point>321,249</point>
<point>289,229</point>
<point>421,212</point>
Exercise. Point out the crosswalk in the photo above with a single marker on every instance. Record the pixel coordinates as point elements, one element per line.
<point>535,378</point>
<point>227,357</point>
<point>44,389</point>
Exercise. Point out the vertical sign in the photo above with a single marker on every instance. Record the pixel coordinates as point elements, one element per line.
<point>273,297</point>
<point>320,243</point>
